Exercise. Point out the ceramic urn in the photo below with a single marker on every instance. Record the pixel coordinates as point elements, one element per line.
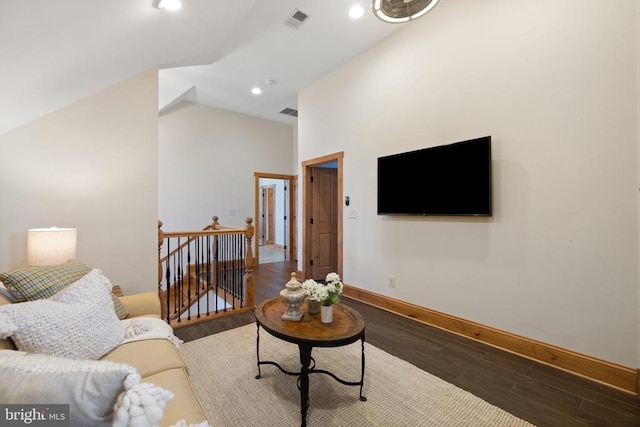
<point>292,297</point>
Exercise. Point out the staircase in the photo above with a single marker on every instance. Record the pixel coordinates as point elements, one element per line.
<point>206,273</point>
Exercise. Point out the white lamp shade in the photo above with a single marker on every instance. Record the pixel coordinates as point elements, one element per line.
<point>51,246</point>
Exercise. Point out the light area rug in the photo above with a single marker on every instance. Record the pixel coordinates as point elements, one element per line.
<point>222,368</point>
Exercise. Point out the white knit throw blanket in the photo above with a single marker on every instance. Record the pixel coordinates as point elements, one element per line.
<point>148,328</point>
<point>138,329</point>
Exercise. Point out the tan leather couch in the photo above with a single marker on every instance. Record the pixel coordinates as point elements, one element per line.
<point>158,361</point>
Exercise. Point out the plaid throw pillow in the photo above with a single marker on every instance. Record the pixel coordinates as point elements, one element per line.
<point>33,283</point>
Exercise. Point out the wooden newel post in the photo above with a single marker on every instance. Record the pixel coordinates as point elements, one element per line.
<point>160,241</point>
<point>249,282</point>
<point>214,224</point>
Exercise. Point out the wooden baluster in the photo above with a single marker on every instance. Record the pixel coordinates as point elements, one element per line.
<point>165,310</point>
<point>160,241</point>
<point>249,282</point>
<point>168,283</point>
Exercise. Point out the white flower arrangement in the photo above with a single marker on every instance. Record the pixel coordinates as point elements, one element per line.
<point>325,294</point>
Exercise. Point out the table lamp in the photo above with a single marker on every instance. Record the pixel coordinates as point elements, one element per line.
<point>50,246</point>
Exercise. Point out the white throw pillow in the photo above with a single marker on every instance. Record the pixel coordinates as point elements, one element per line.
<point>90,388</point>
<point>78,322</point>
<point>94,390</point>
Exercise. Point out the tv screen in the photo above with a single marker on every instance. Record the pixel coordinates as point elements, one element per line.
<point>452,179</point>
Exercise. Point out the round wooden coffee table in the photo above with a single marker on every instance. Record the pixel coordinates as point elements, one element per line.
<point>347,327</point>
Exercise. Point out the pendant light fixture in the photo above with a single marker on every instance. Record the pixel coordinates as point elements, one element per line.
<point>168,4</point>
<point>398,11</point>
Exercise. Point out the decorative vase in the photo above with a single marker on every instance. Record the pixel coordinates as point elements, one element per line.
<point>326,313</point>
<point>313,306</point>
<point>292,297</point>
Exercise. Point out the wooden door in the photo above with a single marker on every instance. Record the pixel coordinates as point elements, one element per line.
<point>260,218</point>
<point>267,215</point>
<point>324,241</point>
<point>270,212</point>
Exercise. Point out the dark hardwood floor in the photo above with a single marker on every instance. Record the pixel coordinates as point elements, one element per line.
<point>540,394</point>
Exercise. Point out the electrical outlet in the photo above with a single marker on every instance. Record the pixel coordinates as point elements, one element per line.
<point>392,281</point>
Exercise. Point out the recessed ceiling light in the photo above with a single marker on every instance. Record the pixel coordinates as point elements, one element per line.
<point>256,91</point>
<point>356,12</point>
<point>169,4</point>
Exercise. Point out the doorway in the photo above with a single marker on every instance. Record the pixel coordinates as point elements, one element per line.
<point>275,216</point>
<point>322,213</point>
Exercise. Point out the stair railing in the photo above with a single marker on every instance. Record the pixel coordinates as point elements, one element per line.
<point>205,274</point>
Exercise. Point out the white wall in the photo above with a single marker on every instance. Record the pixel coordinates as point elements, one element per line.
<point>556,85</point>
<point>208,157</point>
<point>91,165</point>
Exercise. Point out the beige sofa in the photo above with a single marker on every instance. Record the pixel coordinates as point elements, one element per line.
<point>158,361</point>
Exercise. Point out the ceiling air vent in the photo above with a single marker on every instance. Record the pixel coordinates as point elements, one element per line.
<point>296,19</point>
<point>290,112</point>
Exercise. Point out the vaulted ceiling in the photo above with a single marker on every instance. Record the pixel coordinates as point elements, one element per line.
<point>210,51</point>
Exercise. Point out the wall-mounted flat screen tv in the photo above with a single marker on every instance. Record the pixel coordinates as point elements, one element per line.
<point>452,179</point>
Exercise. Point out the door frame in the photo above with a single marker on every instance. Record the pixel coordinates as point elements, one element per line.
<point>307,208</point>
<point>290,252</point>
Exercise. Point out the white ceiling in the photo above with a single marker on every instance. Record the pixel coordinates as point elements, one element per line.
<point>210,51</point>
<point>294,58</point>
